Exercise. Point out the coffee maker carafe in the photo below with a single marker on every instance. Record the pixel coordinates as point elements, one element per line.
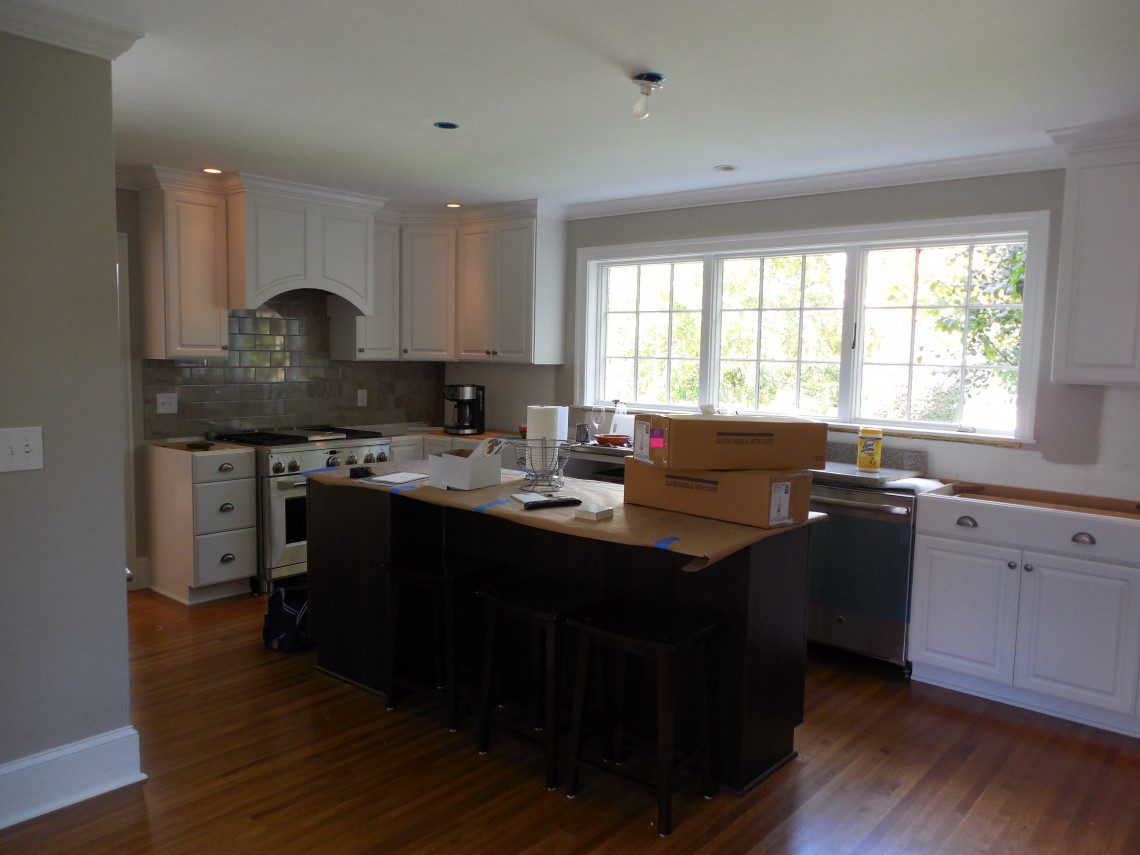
<point>463,409</point>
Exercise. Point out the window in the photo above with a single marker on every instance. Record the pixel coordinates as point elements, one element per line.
<point>930,326</point>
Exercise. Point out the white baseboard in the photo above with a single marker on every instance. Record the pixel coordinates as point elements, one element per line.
<point>40,783</point>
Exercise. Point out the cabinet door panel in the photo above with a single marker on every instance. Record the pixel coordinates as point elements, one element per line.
<point>964,607</point>
<point>514,298</point>
<point>280,239</point>
<point>436,445</point>
<point>427,300</point>
<point>476,316</point>
<point>345,266</point>
<point>196,277</point>
<point>1078,633</point>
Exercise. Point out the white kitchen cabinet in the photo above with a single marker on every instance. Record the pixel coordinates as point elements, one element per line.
<point>964,606</point>
<point>1097,333</point>
<point>407,448</point>
<point>458,444</point>
<point>1078,630</point>
<point>427,292</point>
<point>182,240</point>
<point>509,290</point>
<point>436,445</point>
<point>284,236</point>
<point>376,336</point>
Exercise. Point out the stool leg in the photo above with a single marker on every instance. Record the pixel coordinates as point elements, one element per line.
<point>704,702</point>
<point>551,706</point>
<point>488,681</point>
<point>621,665</point>
<point>439,629</point>
<point>666,721</point>
<point>393,603</point>
<point>452,686</point>
<point>536,669</point>
<point>582,676</point>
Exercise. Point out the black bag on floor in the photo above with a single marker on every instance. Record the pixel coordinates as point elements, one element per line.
<point>286,626</point>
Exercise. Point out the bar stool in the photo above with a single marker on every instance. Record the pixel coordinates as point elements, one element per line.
<point>661,636</point>
<point>542,606</point>
<point>442,581</point>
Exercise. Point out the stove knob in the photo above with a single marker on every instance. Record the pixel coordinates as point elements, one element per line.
<point>333,461</point>
<point>278,468</point>
<point>294,466</point>
<point>382,457</point>
<point>369,457</point>
<point>351,460</point>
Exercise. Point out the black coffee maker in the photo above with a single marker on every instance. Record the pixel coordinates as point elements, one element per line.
<point>463,409</point>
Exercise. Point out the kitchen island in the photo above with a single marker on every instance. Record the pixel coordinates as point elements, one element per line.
<point>754,580</point>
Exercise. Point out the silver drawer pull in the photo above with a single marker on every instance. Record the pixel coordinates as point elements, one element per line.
<point>226,467</point>
<point>226,507</point>
<point>1084,537</point>
<point>228,558</point>
<point>968,522</point>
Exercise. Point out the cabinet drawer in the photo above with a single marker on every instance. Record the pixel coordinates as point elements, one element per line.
<point>1094,536</point>
<point>224,506</point>
<point>225,556</point>
<point>223,465</point>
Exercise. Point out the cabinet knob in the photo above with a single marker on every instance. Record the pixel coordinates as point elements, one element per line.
<point>968,522</point>
<point>405,350</point>
<point>228,557</point>
<point>487,352</point>
<point>494,353</point>
<point>1012,565</point>
<point>1085,538</point>
<point>226,467</point>
<point>226,507</point>
<point>1028,568</point>
<point>225,347</point>
<point>360,350</point>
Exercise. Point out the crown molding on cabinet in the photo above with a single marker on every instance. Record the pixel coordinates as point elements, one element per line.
<point>65,29</point>
<point>140,178</point>
<point>1029,160</point>
<point>1122,131</point>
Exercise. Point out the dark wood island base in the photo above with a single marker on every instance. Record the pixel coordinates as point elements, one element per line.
<point>759,593</point>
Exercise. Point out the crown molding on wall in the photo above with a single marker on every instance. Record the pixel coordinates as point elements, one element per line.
<point>1029,160</point>
<point>1122,131</point>
<point>65,29</point>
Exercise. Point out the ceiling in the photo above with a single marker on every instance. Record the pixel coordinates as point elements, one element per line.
<point>343,94</point>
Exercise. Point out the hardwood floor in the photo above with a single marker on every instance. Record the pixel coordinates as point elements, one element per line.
<point>255,751</point>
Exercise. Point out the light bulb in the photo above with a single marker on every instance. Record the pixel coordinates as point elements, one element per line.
<point>641,106</point>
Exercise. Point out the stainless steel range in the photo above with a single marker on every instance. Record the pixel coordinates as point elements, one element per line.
<point>285,459</point>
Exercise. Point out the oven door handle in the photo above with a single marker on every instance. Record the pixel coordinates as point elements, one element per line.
<point>291,485</point>
<point>893,510</point>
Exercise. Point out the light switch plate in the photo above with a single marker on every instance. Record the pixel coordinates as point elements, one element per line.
<point>21,449</point>
<point>166,403</point>
<point>362,397</point>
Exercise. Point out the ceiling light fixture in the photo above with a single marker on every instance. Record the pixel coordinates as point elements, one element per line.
<point>453,205</point>
<point>647,83</point>
<point>446,126</point>
<point>725,167</point>
<point>212,170</point>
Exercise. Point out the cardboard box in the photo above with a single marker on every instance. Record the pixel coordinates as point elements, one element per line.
<point>764,499</point>
<point>464,470</point>
<point>729,442</point>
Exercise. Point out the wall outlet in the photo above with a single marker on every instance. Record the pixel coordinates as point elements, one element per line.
<point>362,397</point>
<point>21,448</point>
<point>166,403</point>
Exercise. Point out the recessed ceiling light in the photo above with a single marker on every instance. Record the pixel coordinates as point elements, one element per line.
<point>447,126</point>
<point>453,205</point>
<point>213,170</point>
<point>725,167</point>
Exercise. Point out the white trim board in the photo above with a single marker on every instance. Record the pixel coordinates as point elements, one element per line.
<point>66,29</point>
<point>1030,160</point>
<point>40,783</point>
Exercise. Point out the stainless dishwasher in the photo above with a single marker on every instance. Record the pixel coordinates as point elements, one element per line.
<point>861,560</point>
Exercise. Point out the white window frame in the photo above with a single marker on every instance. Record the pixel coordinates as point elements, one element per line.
<point>589,323</point>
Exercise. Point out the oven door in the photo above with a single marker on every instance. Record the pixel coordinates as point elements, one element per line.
<point>283,537</point>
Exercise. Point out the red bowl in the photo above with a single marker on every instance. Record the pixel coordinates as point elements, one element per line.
<point>614,439</point>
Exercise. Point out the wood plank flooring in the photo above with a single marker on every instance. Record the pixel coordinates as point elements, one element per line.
<point>253,751</point>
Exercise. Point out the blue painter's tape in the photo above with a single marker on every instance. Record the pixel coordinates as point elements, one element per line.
<point>666,542</point>
<point>325,469</point>
<point>480,508</point>
<point>405,488</point>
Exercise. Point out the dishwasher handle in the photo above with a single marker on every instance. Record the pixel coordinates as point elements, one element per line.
<point>874,507</point>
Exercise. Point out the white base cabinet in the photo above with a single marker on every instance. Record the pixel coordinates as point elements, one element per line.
<point>408,447</point>
<point>1046,630</point>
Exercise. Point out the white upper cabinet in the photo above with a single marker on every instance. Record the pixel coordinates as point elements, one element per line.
<point>1097,336</point>
<point>375,336</point>
<point>476,246</point>
<point>284,236</point>
<point>182,240</point>
<point>427,292</point>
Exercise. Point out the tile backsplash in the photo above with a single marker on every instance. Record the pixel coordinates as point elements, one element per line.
<point>279,374</point>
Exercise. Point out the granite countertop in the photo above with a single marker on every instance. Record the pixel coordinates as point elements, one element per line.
<point>850,475</point>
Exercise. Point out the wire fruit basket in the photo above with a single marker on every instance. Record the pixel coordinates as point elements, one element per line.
<point>543,461</point>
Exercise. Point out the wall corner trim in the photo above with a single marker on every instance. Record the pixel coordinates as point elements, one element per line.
<point>65,29</point>
<point>61,776</point>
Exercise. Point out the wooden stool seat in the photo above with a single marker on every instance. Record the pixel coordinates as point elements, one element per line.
<point>661,635</point>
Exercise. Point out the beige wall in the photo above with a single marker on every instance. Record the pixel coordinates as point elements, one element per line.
<point>62,597</point>
<point>510,388</point>
<point>1088,439</point>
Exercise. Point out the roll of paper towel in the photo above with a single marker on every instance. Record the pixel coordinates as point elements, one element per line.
<point>546,422</point>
